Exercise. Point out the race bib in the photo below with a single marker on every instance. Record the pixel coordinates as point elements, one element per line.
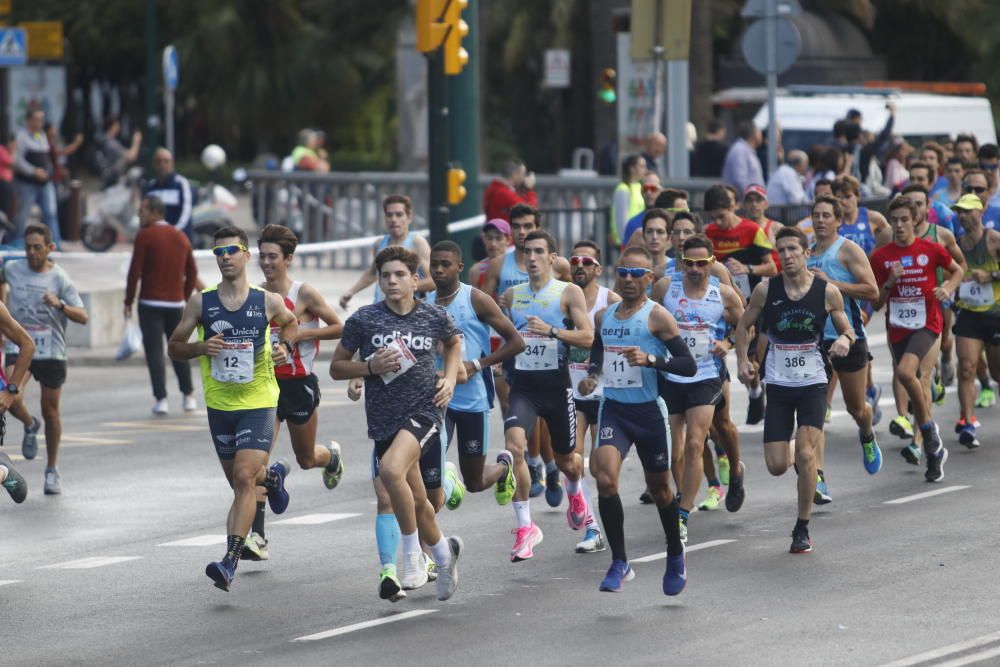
<point>41,335</point>
<point>234,364</point>
<point>698,338</point>
<point>406,360</point>
<point>577,373</point>
<point>796,362</point>
<point>908,313</point>
<point>617,371</point>
<point>976,294</point>
<point>742,282</point>
<point>541,353</point>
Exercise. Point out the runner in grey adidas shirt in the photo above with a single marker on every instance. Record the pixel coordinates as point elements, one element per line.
<point>42,299</point>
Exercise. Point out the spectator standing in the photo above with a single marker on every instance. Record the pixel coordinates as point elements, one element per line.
<point>954,172</point>
<point>655,147</point>
<point>828,164</point>
<point>33,170</point>
<point>306,154</point>
<point>173,190</point>
<point>965,149</point>
<point>516,185</point>
<point>895,164</point>
<point>7,177</point>
<point>650,189</point>
<point>627,200</point>
<point>786,185</point>
<point>742,166</point>
<point>164,264</point>
<point>113,157</point>
<point>989,160</point>
<point>710,153</point>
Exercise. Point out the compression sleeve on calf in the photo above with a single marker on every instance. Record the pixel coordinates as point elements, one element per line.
<point>596,355</point>
<point>680,362</point>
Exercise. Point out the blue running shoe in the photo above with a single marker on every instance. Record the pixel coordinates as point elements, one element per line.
<point>222,573</point>
<point>967,436</point>
<point>553,489</point>
<point>618,574</point>
<point>871,454</point>
<point>537,475</point>
<point>874,395</point>
<point>675,578</point>
<point>277,496</point>
<point>822,496</point>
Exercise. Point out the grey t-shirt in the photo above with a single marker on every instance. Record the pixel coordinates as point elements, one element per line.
<point>45,324</point>
<point>411,393</point>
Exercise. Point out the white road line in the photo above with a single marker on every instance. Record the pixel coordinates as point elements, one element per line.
<point>694,547</point>
<point>366,624</point>
<point>925,494</point>
<point>4,582</point>
<point>89,563</point>
<point>934,654</point>
<point>313,519</point>
<point>199,541</point>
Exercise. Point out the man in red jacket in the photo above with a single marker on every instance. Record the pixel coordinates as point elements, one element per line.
<point>163,261</point>
<point>515,186</point>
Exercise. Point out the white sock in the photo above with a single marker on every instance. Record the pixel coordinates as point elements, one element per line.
<point>755,392</point>
<point>534,461</point>
<point>523,512</point>
<point>550,467</point>
<point>572,487</point>
<point>411,543</point>
<point>3,473</point>
<point>441,552</point>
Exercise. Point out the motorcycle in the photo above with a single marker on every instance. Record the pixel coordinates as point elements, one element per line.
<point>113,214</point>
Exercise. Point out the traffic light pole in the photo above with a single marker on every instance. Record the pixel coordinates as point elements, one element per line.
<point>438,150</point>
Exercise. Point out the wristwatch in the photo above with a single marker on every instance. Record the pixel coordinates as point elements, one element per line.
<point>554,332</point>
<point>12,389</point>
<point>651,360</point>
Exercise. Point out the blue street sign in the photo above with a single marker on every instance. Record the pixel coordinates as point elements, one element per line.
<point>171,70</point>
<point>13,47</point>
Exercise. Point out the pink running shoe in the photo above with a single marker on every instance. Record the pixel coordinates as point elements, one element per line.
<point>576,513</point>
<point>526,538</point>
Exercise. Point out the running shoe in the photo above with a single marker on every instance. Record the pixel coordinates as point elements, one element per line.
<point>871,454</point>
<point>592,542</point>
<point>432,568</point>
<point>873,395</point>
<point>901,428</point>
<point>576,513</point>
<point>15,483</point>
<point>935,465</point>
<point>553,489</point>
<point>447,580</point>
<point>755,409</point>
<point>960,424</point>
<point>801,544</point>
<point>675,576</point>
<point>967,436</point>
<point>829,413</point>
<point>526,538</point>
<point>985,399</point>
<point>646,498</point>
<point>932,438</point>
<point>724,470</point>
<point>389,587</point>
<point>161,408</point>
<point>505,486</point>
<point>537,475</point>
<point>53,483</point>
<point>222,573</point>
<point>29,444</point>
<point>190,403</point>
<point>822,496</point>
<point>454,501</point>
<point>947,373</point>
<point>255,548</point>
<point>277,496</point>
<point>712,500</point>
<point>937,390</point>
<point>334,470</point>
<point>617,575</point>
<point>683,525</point>
<point>736,493</point>
<point>414,573</point>
<point>911,453</point>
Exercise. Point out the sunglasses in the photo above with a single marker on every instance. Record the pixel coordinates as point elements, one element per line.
<point>975,189</point>
<point>651,188</point>
<point>986,166</point>
<point>634,272</point>
<point>221,250</point>
<point>697,262</point>
<point>580,260</point>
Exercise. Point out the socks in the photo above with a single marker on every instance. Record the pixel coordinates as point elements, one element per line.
<point>411,543</point>
<point>590,522</point>
<point>669,519</point>
<point>523,512</point>
<point>534,461</point>
<point>572,488</point>
<point>448,485</point>
<point>613,518</point>
<point>258,519</point>
<point>234,548</point>
<point>801,524</point>
<point>441,552</point>
<point>755,392</point>
<point>683,514</point>
<point>387,538</point>
<point>3,473</point>
<point>550,467</point>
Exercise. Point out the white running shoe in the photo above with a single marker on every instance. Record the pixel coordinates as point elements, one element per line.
<point>53,483</point>
<point>447,580</point>
<point>190,403</point>
<point>414,571</point>
<point>161,407</point>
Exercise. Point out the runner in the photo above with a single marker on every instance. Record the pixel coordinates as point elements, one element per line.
<point>655,232</point>
<point>540,386</point>
<point>634,336</point>
<point>586,263</point>
<point>241,393</point>
<point>670,200</point>
<point>755,209</point>
<point>977,325</point>
<point>794,308</point>
<point>398,213</point>
<point>42,299</point>
<point>821,188</point>
<point>298,386</point>
<point>10,383</point>
<point>906,271</point>
<point>705,311</point>
<point>397,340</point>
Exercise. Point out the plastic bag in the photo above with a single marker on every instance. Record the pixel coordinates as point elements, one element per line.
<point>131,340</point>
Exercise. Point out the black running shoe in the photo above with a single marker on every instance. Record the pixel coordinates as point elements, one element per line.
<point>736,494</point>
<point>755,409</point>
<point>14,483</point>
<point>646,498</point>
<point>800,541</point>
<point>935,465</point>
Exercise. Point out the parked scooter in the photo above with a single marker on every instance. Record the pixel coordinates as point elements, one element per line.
<point>113,215</point>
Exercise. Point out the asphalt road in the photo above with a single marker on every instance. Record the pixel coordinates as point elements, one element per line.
<point>112,571</point>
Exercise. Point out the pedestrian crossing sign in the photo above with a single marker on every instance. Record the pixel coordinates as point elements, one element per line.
<point>13,47</point>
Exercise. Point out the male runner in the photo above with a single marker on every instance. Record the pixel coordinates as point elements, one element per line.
<point>793,309</point>
<point>755,209</point>
<point>586,263</point>
<point>42,299</point>
<point>977,324</point>
<point>298,386</point>
<point>539,309</point>
<point>656,239</point>
<point>634,336</point>
<point>906,272</point>
<point>398,213</point>
<point>496,240</point>
<point>241,394</point>
<point>10,383</point>
<point>705,311</point>
<point>397,340</point>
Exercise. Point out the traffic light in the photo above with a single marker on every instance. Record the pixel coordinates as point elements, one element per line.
<point>455,57</point>
<point>456,191</point>
<point>607,92</point>
<point>430,29</point>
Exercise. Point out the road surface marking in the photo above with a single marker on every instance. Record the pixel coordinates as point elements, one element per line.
<point>925,494</point>
<point>89,563</point>
<point>312,519</point>
<point>934,654</point>
<point>4,582</point>
<point>366,624</point>
<point>694,547</point>
<point>199,541</point>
